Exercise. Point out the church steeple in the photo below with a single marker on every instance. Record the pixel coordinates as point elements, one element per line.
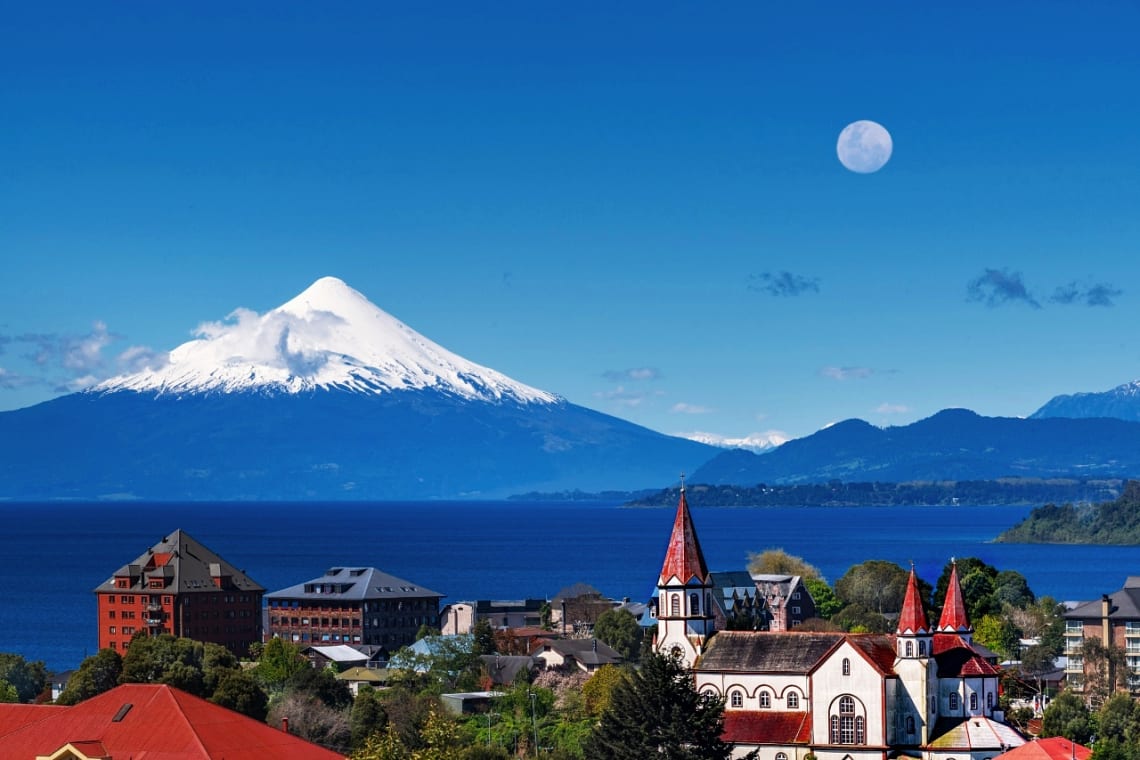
<point>913,632</point>
<point>954,618</point>
<point>684,560</point>
<point>685,618</point>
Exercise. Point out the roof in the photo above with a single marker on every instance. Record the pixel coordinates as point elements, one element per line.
<point>879,649</point>
<point>187,564</point>
<point>155,720</point>
<point>1053,748</point>
<point>954,617</point>
<point>769,652</point>
<point>354,583</point>
<point>339,653</point>
<point>1122,605</point>
<point>912,619</point>
<point>585,651</point>
<point>371,675</point>
<point>970,734</point>
<point>683,559</point>
<point>957,657</point>
<point>766,727</point>
<point>15,715</point>
<point>502,669</point>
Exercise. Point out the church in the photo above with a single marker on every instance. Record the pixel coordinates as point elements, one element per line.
<point>923,692</point>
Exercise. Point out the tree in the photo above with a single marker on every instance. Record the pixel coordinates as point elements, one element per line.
<point>1067,716</point>
<point>279,661</point>
<point>998,633</point>
<point>383,745</point>
<point>875,584</point>
<point>482,638</point>
<point>620,629</point>
<point>1117,719</point>
<point>1036,661</point>
<point>1106,670</point>
<point>779,562</point>
<point>321,684</point>
<point>658,713</point>
<point>598,691</point>
<point>27,678</point>
<point>976,579</point>
<point>98,673</point>
<point>239,691</point>
<point>826,602</point>
<point>312,719</point>
<point>367,717</point>
<point>858,619</point>
<point>8,692</point>
<point>192,666</point>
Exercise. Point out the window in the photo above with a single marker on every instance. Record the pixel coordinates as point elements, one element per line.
<point>111,629</point>
<point>990,700</point>
<point>795,610</point>
<point>846,666</point>
<point>910,724</point>
<point>765,699</point>
<point>737,698</point>
<point>694,604</point>
<point>974,701</point>
<point>796,595</point>
<point>953,701</point>
<point>110,614</point>
<point>910,649</point>
<point>922,647</point>
<point>675,605</point>
<point>793,700</point>
<point>781,756</point>
<point>846,726</point>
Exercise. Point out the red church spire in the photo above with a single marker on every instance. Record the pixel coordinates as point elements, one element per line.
<point>954,618</point>
<point>684,559</point>
<point>913,618</point>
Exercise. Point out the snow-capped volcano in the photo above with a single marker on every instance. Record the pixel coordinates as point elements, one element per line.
<point>328,337</point>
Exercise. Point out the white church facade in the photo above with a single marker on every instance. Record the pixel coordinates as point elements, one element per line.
<point>922,692</point>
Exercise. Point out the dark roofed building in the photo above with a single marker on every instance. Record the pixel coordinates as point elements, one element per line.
<point>1113,620</point>
<point>180,587</point>
<point>584,654</point>
<point>353,605</point>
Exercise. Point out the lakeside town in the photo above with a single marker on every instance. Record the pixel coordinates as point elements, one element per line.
<point>769,662</point>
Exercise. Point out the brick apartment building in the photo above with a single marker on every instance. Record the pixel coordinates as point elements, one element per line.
<point>1114,620</point>
<point>180,587</point>
<point>353,605</point>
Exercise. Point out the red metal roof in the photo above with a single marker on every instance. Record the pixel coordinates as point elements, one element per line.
<point>954,609</point>
<point>13,716</point>
<point>766,727</point>
<point>956,658</point>
<point>1055,748</point>
<point>157,721</point>
<point>683,560</point>
<point>913,617</point>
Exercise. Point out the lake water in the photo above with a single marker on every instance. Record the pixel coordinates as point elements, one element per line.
<point>53,555</point>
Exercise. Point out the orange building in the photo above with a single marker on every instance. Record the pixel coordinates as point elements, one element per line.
<point>180,587</point>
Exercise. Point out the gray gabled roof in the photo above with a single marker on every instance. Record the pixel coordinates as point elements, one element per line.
<point>748,651</point>
<point>1123,605</point>
<point>354,583</point>
<point>186,562</point>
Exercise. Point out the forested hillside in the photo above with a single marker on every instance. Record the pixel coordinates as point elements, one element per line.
<point>1110,522</point>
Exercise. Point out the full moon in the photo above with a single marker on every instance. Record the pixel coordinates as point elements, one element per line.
<point>864,146</point>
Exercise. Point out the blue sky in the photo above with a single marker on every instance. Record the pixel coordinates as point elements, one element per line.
<point>637,206</point>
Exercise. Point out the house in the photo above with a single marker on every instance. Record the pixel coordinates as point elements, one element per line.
<point>1113,620</point>
<point>737,602</point>
<point>585,654</point>
<point>354,678</point>
<point>1054,748</point>
<point>342,656</point>
<point>180,587</point>
<point>145,720</point>
<point>502,670</point>
<point>461,617</point>
<point>788,600</point>
<point>923,691</point>
<point>353,605</point>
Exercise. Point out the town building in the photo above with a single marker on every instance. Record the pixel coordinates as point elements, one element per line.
<point>353,605</point>
<point>923,691</point>
<point>180,587</point>
<point>1113,620</point>
<point>145,720</point>
<point>586,655</point>
<point>461,617</point>
<point>787,598</point>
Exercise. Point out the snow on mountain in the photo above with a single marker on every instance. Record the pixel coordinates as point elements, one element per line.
<point>1121,402</point>
<point>757,442</point>
<point>328,337</point>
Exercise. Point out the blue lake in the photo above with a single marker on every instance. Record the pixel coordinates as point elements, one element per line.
<point>53,555</point>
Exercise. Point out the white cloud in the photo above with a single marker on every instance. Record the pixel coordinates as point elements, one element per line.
<point>637,374</point>
<point>885,408</point>
<point>847,373</point>
<point>682,408</point>
<point>276,339</point>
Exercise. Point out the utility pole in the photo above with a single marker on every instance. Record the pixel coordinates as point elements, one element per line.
<point>534,719</point>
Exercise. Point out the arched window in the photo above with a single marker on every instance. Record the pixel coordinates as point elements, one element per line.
<point>737,698</point>
<point>765,699</point>
<point>793,700</point>
<point>973,701</point>
<point>835,729</point>
<point>910,724</point>
<point>846,666</point>
<point>847,727</point>
<point>860,730</point>
<point>953,701</point>
<point>781,756</point>
<point>694,604</point>
<point>675,605</point>
<point>922,647</point>
<point>910,649</point>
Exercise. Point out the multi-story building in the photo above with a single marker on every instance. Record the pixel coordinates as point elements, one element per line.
<point>1113,620</point>
<point>788,599</point>
<point>353,605</point>
<point>461,617</point>
<point>180,587</point>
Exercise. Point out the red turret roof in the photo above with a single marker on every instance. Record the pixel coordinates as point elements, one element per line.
<point>684,559</point>
<point>913,618</point>
<point>954,618</point>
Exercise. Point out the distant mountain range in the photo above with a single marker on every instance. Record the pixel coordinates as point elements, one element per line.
<point>1121,402</point>
<point>325,397</point>
<point>955,444</point>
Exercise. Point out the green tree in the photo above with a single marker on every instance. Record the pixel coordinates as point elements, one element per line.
<point>8,692</point>
<point>620,630</point>
<point>1117,720</point>
<point>382,745</point>
<point>28,678</point>
<point>279,661</point>
<point>875,584</point>
<point>997,632</point>
<point>185,664</point>
<point>826,602</point>
<point>598,691</point>
<point>98,673</point>
<point>482,638</point>
<point>239,691</point>
<point>367,717</point>
<point>658,713</point>
<point>321,684</point>
<point>1067,716</point>
<point>858,619</point>
<point>1106,670</point>
<point>779,562</point>
<point>1036,661</point>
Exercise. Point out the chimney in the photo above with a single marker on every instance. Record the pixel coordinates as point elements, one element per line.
<point>285,724</point>
<point>1105,626</point>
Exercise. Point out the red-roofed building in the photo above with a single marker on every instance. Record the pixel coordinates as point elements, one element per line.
<point>146,721</point>
<point>1054,748</point>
